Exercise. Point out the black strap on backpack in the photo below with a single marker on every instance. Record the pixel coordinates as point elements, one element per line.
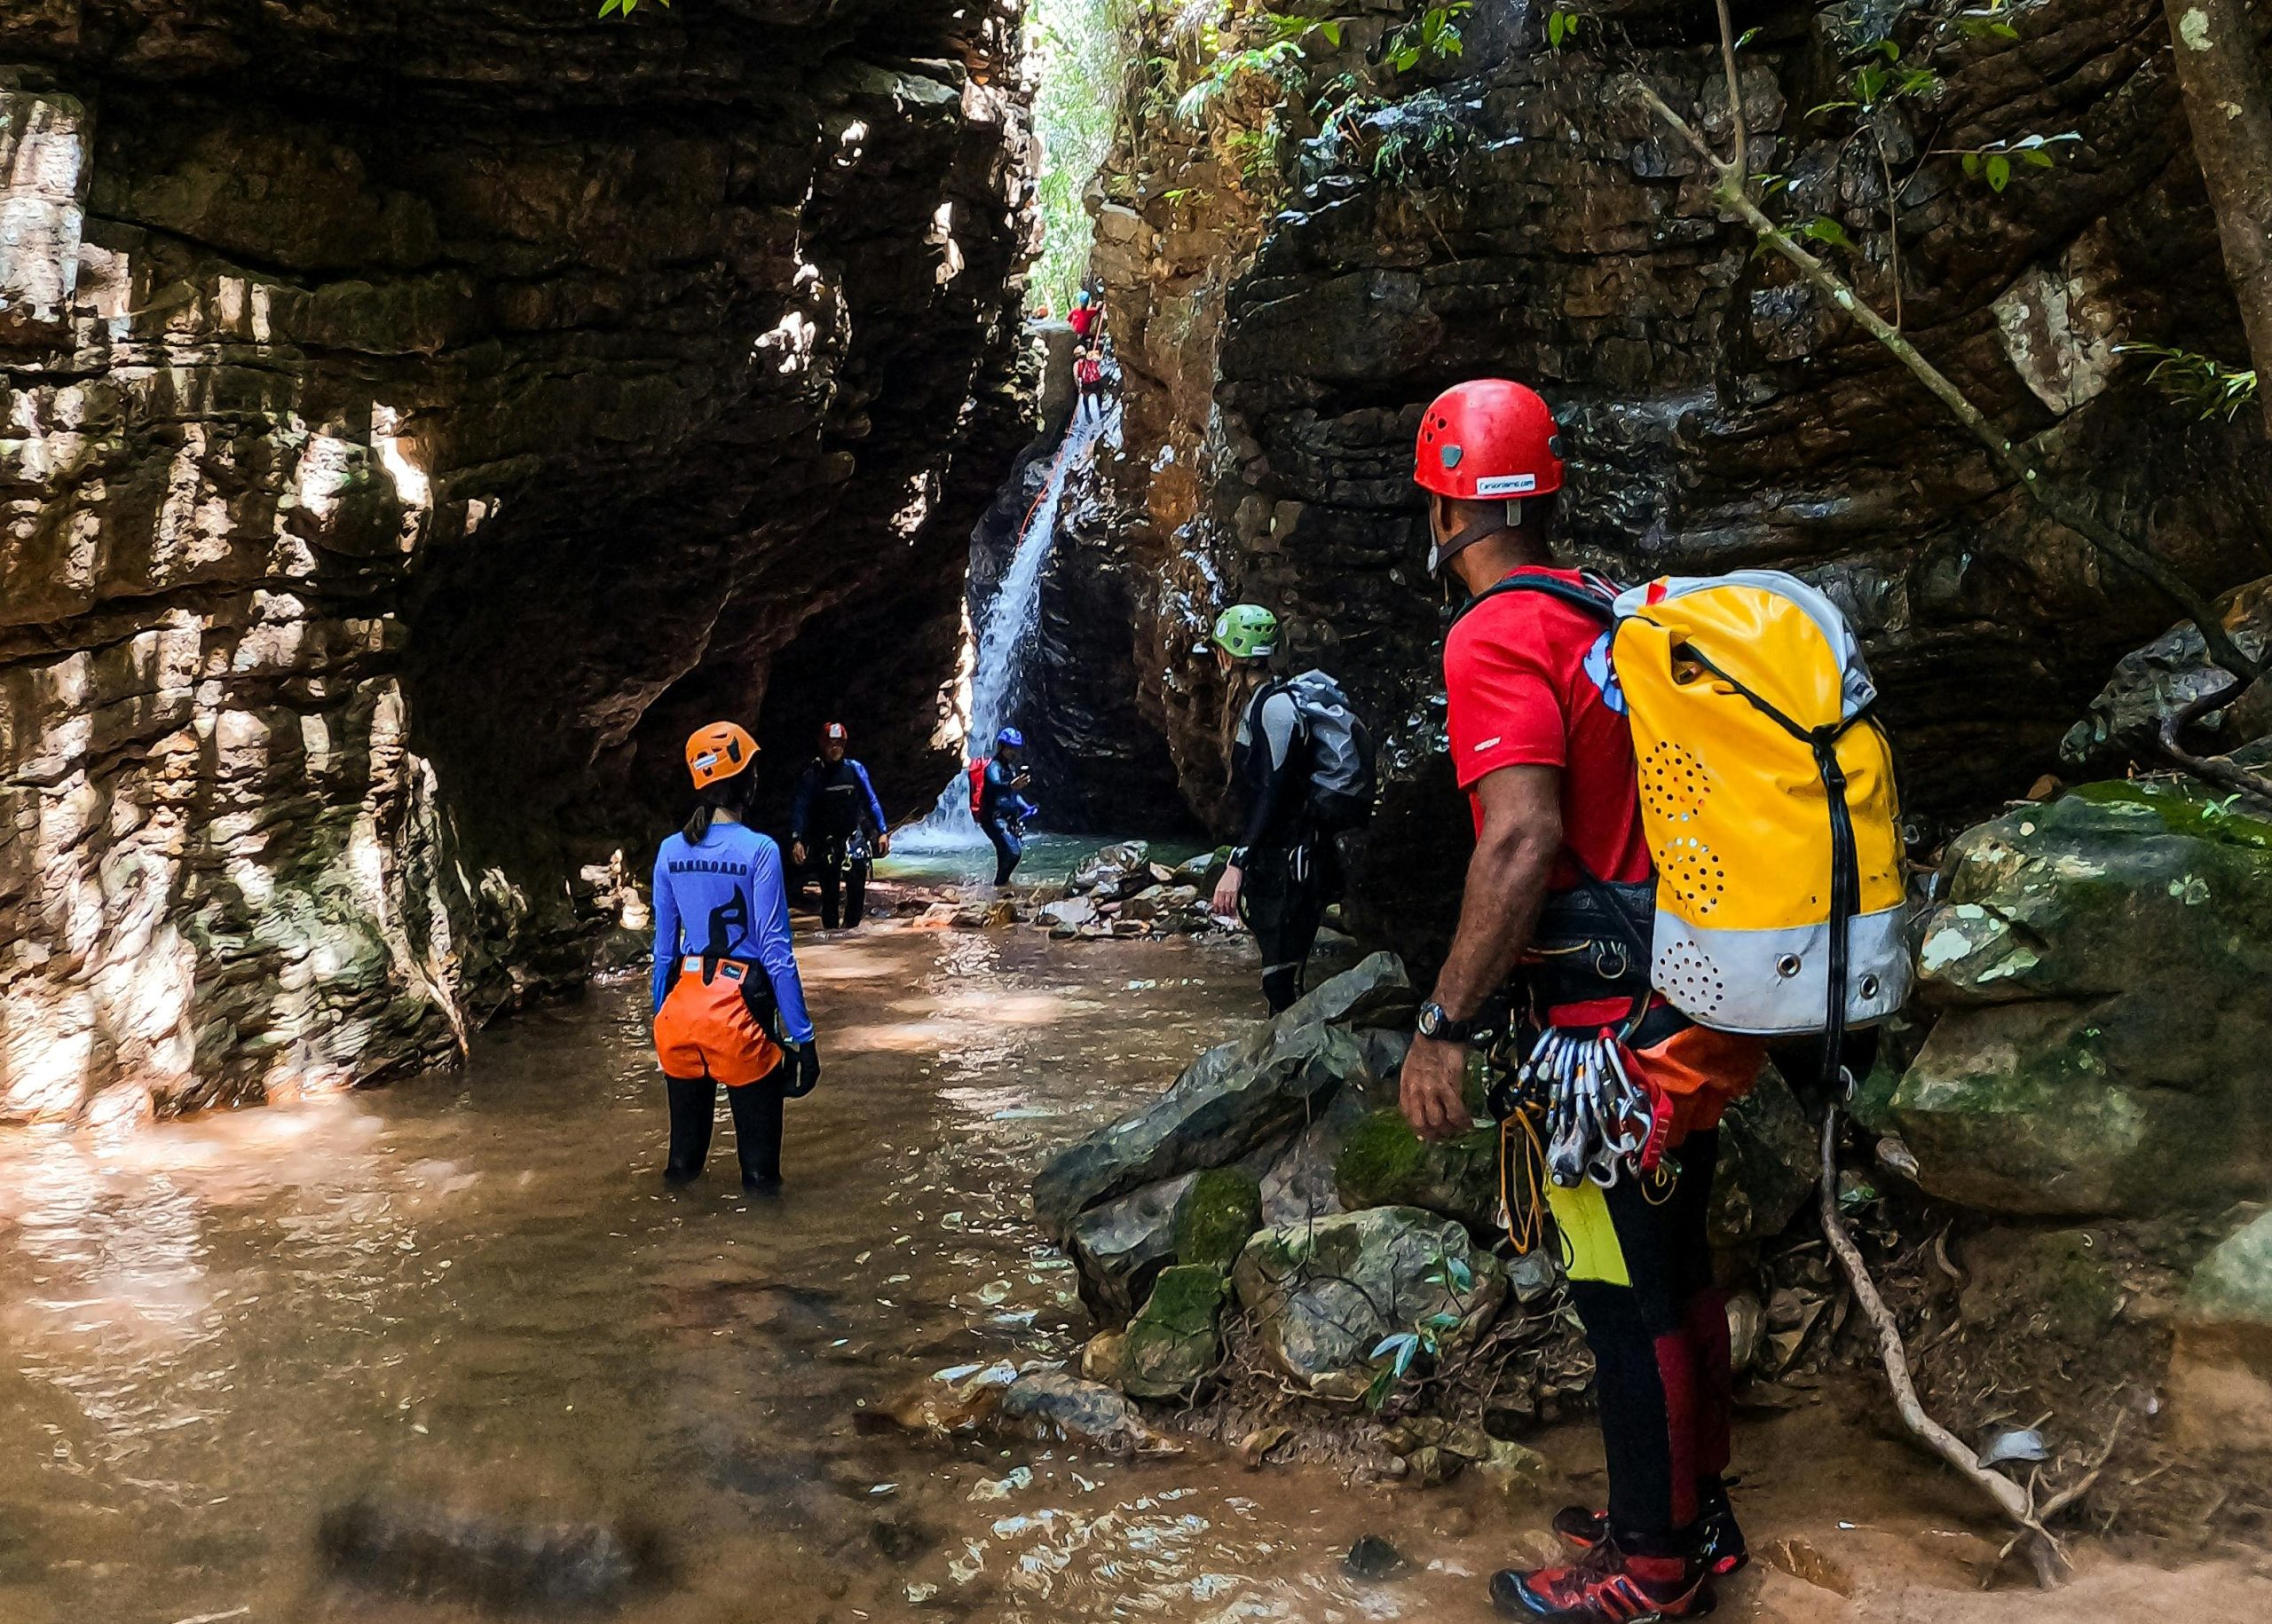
<point>1596,595</point>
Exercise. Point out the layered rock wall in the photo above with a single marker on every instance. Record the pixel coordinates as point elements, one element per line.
<point>1534,221</point>
<point>415,418</point>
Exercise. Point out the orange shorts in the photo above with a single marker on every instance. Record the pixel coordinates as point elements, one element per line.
<point>1702,1071</point>
<point>708,1028</point>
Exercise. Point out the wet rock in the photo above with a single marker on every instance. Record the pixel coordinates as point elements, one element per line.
<point>1050,1407</point>
<point>2105,1045</point>
<point>1175,1345</point>
<point>499,396</point>
<point>1232,1100</point>
<point>1383,1164</point>
<point>1515,1469</point>
<point>1322,1295</point>
<point>1768,1164</point>
<point>2169,673</point>
<point>1300,1186</point>
<point>1373,1558</point>
<point>1218,1213</point>
<point>1747,1321</point>
<point>1100,1357</point>
<point>436,1553</point>
<point>954,1400</point>
<point>1120,1247</point>
<point>1070,916</point>
<point>900,1538</point>
<point>1104,874</point>
<point>2221,1371</point>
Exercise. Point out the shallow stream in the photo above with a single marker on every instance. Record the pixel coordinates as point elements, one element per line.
<point>470,1295</point>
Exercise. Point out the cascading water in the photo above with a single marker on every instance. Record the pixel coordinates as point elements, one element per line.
<point>997,679</point>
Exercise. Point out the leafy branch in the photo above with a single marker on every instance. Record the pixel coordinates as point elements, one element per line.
<point>1732,192</point>
<point>624,8</point>
<point>2210,387</point>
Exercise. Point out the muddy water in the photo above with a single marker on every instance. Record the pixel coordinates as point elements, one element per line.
<point>471,1294</point>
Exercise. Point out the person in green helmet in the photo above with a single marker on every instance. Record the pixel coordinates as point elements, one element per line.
<point>1285,872</point>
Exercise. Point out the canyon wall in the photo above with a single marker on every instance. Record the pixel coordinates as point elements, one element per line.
<point>414,417</point>
<point>1519,211</point>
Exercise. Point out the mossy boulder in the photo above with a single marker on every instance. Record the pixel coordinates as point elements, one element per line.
<point>1239,1096</point>
<point>2220,1373</point>
<point>1324,1294</point>
<point>1768,1164</point>
<point>2104,1043</point>
<point>1220,1210</point>
<point>1175,1343</point>
<point>1383,1164</point>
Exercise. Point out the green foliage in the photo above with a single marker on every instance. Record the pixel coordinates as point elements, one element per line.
<point>2210,387</point>
<point>1430,37</point>
<point>1993,162</point>
<point>1877,77</point>
<point>1403,1348</point>
<point>1083,49</point>
<point>1279,62</point>
<point>1986,22</point>
<point>1562,28</point>
<point>1826,230</point>
<point>624,8</point>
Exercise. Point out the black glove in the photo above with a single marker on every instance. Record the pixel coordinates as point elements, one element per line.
<point>804,1069</point>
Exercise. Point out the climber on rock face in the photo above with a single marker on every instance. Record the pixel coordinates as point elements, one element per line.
<point>1285,871</point>
<point>836,817</point>
<point>997,802</point>
<point>729,1006</point>
<point>1541,743</point>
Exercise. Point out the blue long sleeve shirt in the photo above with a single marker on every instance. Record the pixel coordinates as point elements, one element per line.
<point>997,802</point>
<point>725,898</point>
<point>835,798</point>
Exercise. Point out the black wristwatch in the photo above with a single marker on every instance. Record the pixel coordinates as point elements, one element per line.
<point>1436,1023</point>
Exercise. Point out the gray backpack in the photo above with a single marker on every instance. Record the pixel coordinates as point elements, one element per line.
<point>1342,781</point>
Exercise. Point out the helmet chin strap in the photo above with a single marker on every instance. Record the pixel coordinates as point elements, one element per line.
<point>1468,534</point>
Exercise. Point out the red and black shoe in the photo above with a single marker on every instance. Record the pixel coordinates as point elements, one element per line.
<point>1720,1545</point>
<point>1606,1587</point>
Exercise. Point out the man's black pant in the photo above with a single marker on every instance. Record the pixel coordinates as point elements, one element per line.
<point>843,885</point>
<point>1283,899</point>
<point>757,1125</point>
<point>1008,847</point>
<point>1640,1271</point>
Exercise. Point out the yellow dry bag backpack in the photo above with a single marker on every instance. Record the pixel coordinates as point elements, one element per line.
<point>1768,799</point>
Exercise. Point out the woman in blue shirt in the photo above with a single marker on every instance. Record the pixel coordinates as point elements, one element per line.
<point>729,1007</point>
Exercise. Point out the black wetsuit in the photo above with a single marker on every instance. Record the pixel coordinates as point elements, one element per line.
<point>837,818</point>
<point>1292,869</point>
<point>1002,813</point>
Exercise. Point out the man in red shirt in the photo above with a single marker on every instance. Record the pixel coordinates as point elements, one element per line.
<point>1540,742</point>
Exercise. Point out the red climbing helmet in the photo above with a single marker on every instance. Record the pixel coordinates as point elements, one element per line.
<point>1488,439</point>
<point>834,733</point>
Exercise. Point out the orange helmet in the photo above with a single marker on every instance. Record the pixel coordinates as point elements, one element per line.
<point>1488,439</point>
<point>718,752</point>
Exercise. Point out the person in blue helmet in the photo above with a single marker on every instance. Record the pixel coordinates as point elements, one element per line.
<point>836,818</point>
<point>729,1006</point>
<point>997,783</point>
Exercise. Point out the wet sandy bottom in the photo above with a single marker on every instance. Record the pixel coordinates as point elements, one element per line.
<point>470,1294</point>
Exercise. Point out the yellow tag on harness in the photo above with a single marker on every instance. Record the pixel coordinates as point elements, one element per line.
<point>1588,1238</point>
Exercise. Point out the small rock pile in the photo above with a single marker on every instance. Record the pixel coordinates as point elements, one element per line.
<point>1121,892</point>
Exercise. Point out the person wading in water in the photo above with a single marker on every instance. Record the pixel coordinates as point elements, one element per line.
<point>835,801</point>
<point>998,804</point>
<point>1542,745</point>
<point>1285,872</point>
<point>728,1005</point>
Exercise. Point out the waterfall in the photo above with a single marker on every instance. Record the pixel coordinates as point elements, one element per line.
<point>997,679</point>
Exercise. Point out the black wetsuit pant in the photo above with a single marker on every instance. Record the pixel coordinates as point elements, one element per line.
<point>1659,1340</point>
<point>1283,899</point>
<point>843,884</point>
<point>1008,847</point>
<point>757,1125</point>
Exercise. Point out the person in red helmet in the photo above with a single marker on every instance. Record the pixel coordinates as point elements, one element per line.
<point>834,816</point>
<point>1560,882</point>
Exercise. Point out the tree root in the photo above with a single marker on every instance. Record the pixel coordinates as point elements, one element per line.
<point>2044,1552</point>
